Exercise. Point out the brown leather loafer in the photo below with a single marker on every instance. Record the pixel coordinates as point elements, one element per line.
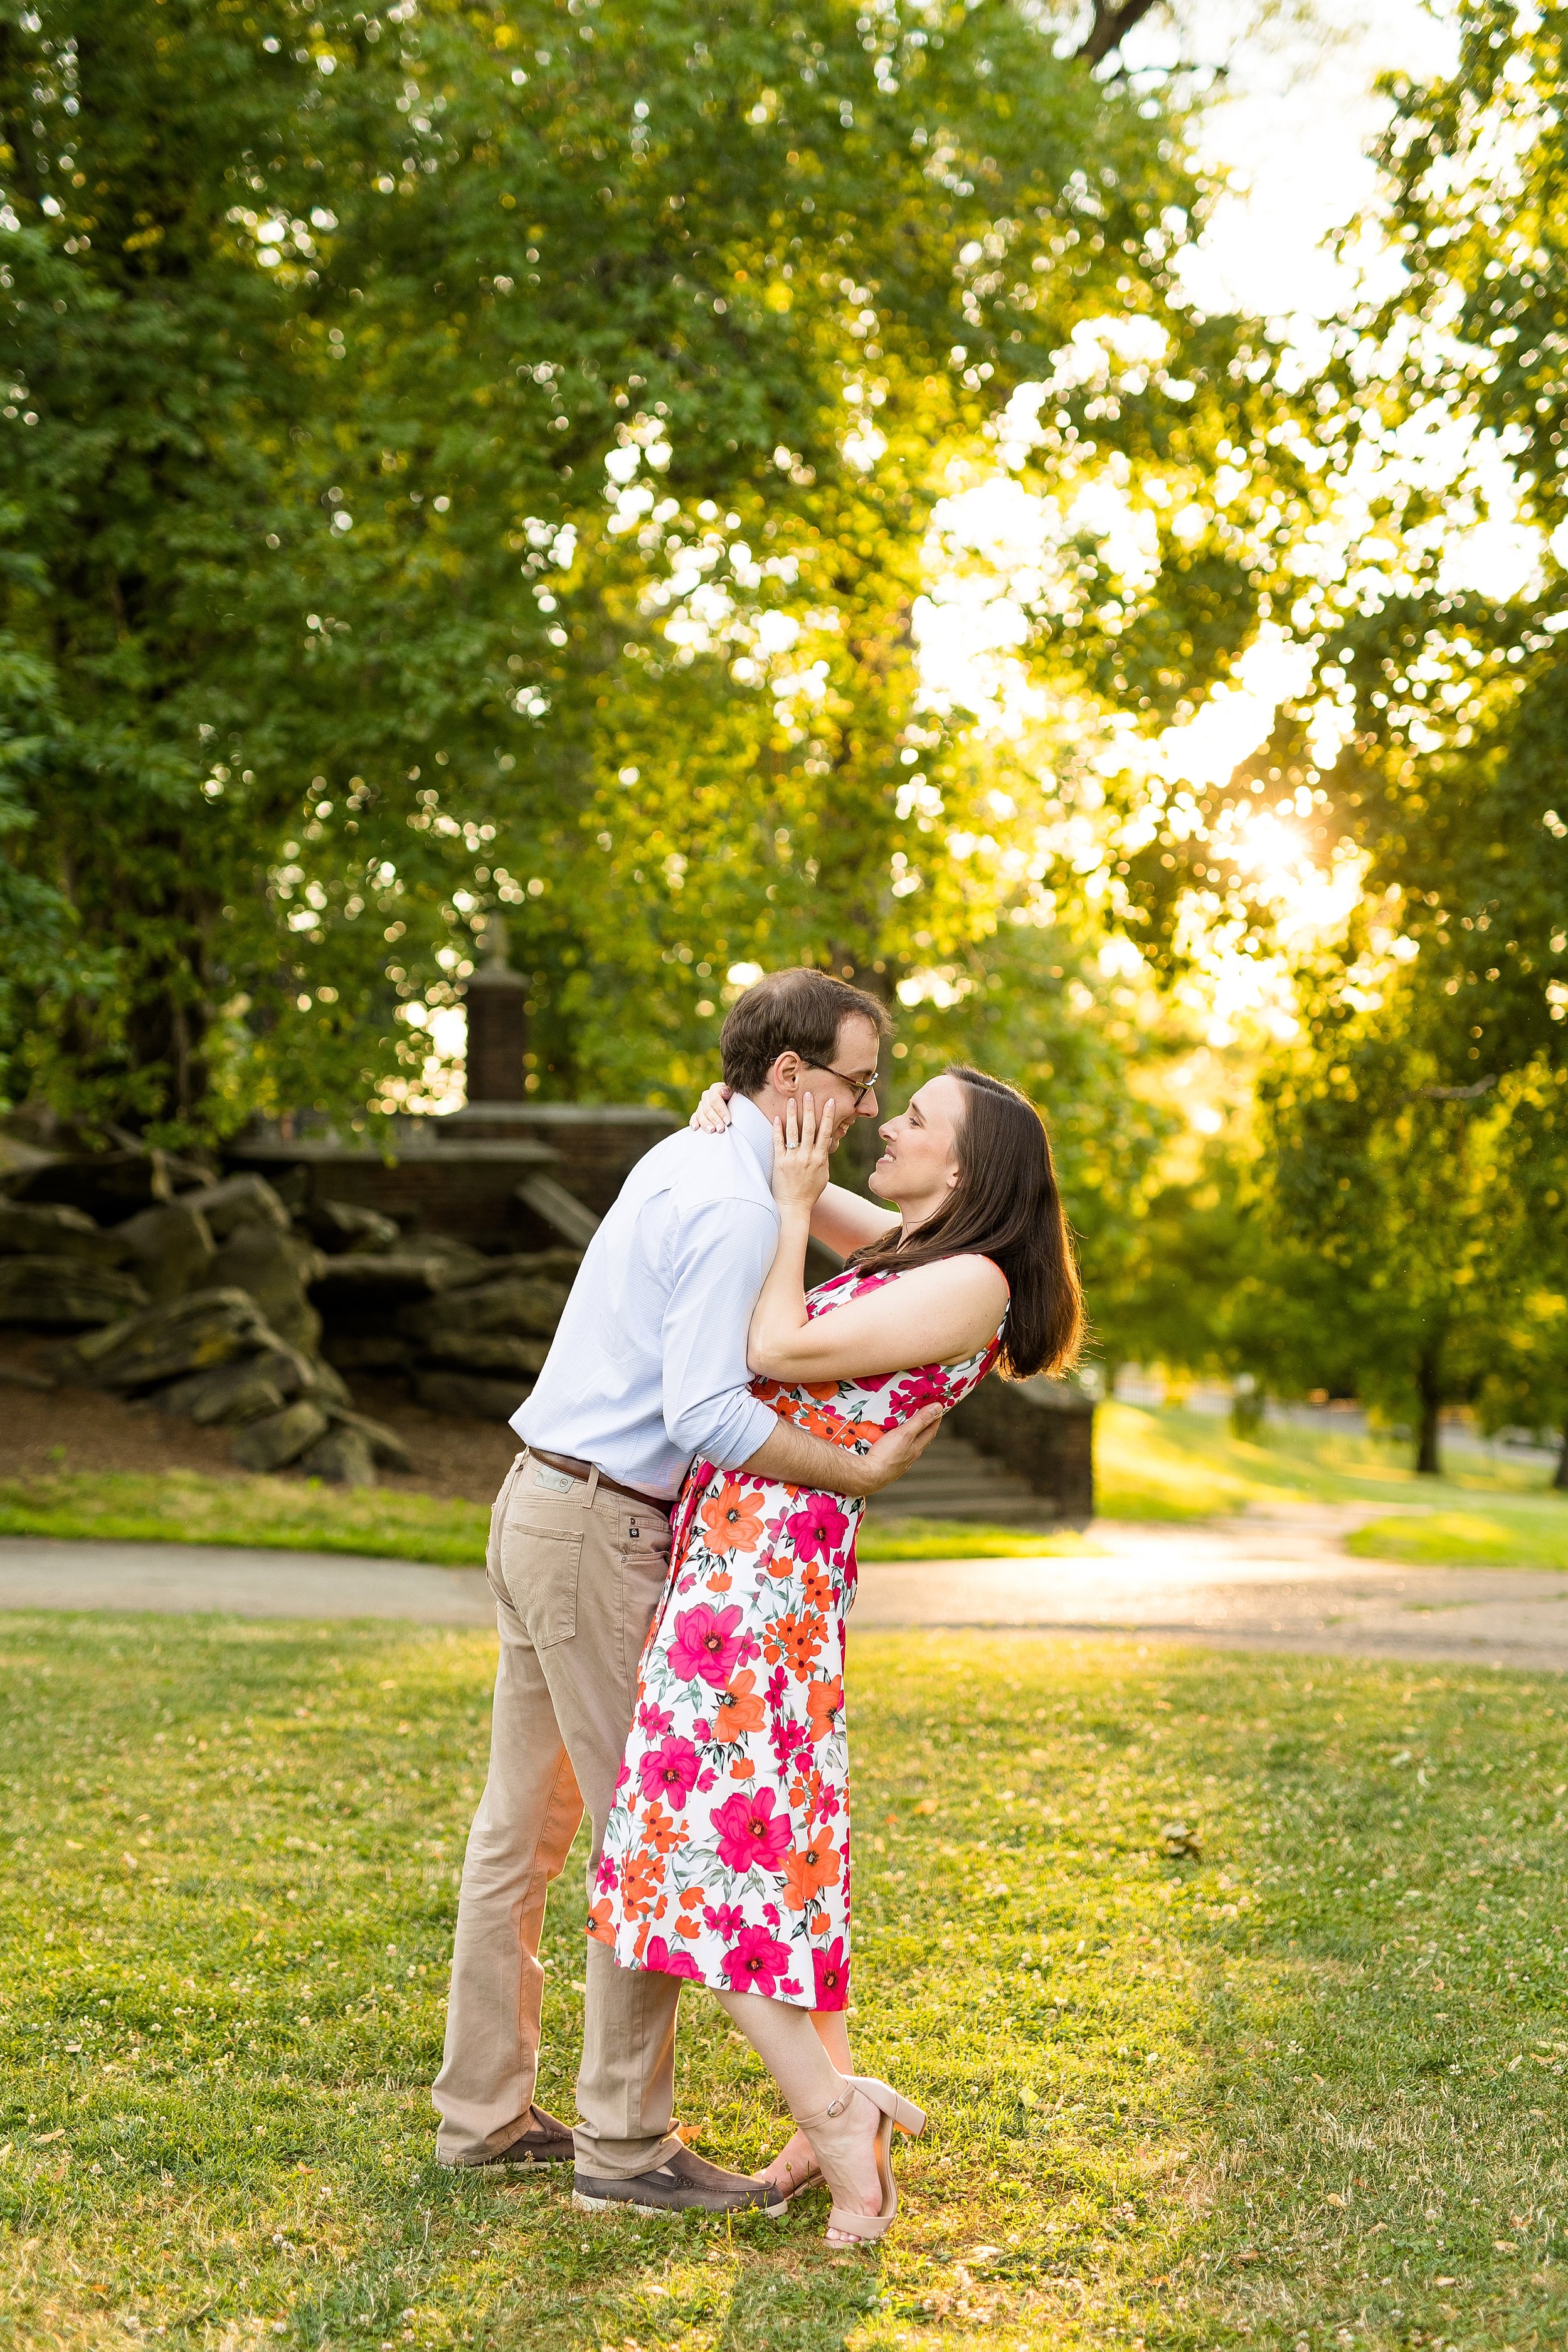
<point>685,2183</point>
<point>547,2140</point>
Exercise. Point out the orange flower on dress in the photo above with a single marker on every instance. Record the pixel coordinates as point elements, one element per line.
<point>818,1924</point>
<point>795,1639</point>
<point>823,1705</point>
<point>663,1832</point>
<point>808,1872</point>
<point>738,1711</point>
<point>741,1768</point>
<point>599,1929</point>
<point>639,1883</point>
<point>685,1927</point>
<point>733,1519</point>
<point>719,1582</point>
<point>817,1587</point>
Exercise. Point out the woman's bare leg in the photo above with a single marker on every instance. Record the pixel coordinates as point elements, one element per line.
<point>793,2047</point>
<point>796,2162</point>
<point>833,2032</point>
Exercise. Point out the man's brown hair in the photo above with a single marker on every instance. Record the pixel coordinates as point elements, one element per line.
<point>800,1011</point>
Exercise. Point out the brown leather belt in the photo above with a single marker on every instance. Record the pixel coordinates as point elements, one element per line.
<point>575,1469</point>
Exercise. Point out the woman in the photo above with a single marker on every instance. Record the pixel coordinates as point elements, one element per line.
<point>726,1859</point>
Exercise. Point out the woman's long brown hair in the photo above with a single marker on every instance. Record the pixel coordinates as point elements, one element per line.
<point>1004,1207</point>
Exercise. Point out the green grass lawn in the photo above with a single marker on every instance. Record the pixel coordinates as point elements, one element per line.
<point>1149,1466</point>
<point>1186,1465</point>
<point>284,1514</point>
<point>1520,1535</point>
<point>381,1522</point>
<point>895,1539</point>
<point>1302,2085</point>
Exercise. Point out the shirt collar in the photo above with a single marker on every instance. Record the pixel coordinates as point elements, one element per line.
<point>754,1132</point>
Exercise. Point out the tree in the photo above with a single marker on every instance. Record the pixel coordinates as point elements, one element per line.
<point>330,628</point>
<point>1388,1176</point>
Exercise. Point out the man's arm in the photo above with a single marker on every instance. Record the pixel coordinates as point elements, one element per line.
<point>719,1254</point>
<point>795,1458</point>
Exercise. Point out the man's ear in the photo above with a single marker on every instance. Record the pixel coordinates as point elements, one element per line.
<point>784,1075</point>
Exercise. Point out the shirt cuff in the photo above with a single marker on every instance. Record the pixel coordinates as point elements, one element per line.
<point>749,1435</point>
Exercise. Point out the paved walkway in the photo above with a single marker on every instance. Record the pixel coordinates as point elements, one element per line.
<point>1279,1583</point>
<point>180,1579</point>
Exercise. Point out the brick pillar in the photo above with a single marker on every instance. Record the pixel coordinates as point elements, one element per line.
<point>495,997</point>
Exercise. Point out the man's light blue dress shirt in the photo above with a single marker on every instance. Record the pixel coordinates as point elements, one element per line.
<point>648,1367</point>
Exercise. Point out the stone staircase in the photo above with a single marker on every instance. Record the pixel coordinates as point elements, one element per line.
<point>952,1480</point>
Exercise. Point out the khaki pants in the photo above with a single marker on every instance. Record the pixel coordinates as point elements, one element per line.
<point>578,1576</point>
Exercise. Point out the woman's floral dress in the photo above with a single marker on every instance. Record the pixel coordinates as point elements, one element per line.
<point>726,1858</point>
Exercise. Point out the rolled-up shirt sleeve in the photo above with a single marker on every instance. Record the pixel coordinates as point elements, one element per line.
<point>720,1256</point>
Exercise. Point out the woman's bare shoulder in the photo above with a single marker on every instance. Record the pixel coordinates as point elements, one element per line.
<point>964,1280</point>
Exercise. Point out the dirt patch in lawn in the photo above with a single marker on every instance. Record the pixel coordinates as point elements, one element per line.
<point>45,1430</point>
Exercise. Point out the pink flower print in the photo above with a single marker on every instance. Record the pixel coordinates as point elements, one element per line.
<point>665,1963</point>
<point>923,1388</point>
<point>778,1683</point>
<point>791,1986</point>
<point>724,1919</point>
<point>754,1960</point>
<point>605,1874</point>
<point>787,1738</point>
<point>749,1648</point>
<point>703,1729</point>
<point>670,1771</point>
<point>748,1833</point>
<point>819,1530</point>
<point>654,1721</point>
<point>832,1972</point>
<point>706,1643</point>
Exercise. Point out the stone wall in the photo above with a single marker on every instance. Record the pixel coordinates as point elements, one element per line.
<point>461,1175</point>
<point>1043,1430</point>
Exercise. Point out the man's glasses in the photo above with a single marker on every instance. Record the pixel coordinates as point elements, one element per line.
<point>859,1087</point>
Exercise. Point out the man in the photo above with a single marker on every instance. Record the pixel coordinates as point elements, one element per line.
<point>646,1372</point>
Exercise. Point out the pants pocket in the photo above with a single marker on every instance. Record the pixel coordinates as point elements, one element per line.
<point>539,1567</point>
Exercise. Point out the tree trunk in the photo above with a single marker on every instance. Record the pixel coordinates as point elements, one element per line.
<point>1561,1478</point>
<point>1247,1407</point>
<point>1113,20</point>
<point>1429,1463</point>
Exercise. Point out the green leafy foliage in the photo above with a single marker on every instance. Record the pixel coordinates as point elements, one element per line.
<point>469,461</point>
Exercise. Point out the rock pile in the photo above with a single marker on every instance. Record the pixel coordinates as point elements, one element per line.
<point>223,1303</point>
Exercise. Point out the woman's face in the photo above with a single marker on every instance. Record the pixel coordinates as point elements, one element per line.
<point>918,1167</point>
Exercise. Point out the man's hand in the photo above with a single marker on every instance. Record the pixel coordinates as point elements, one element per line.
<point>795,1458</point>
<point>898,1452</point>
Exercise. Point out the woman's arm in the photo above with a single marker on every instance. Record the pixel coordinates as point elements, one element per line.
<point>938,1314</point>
<point>848,1224</point>
<point>842,1220</point>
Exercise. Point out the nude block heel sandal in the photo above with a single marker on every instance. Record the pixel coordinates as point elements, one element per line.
<point>892,2108</point>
